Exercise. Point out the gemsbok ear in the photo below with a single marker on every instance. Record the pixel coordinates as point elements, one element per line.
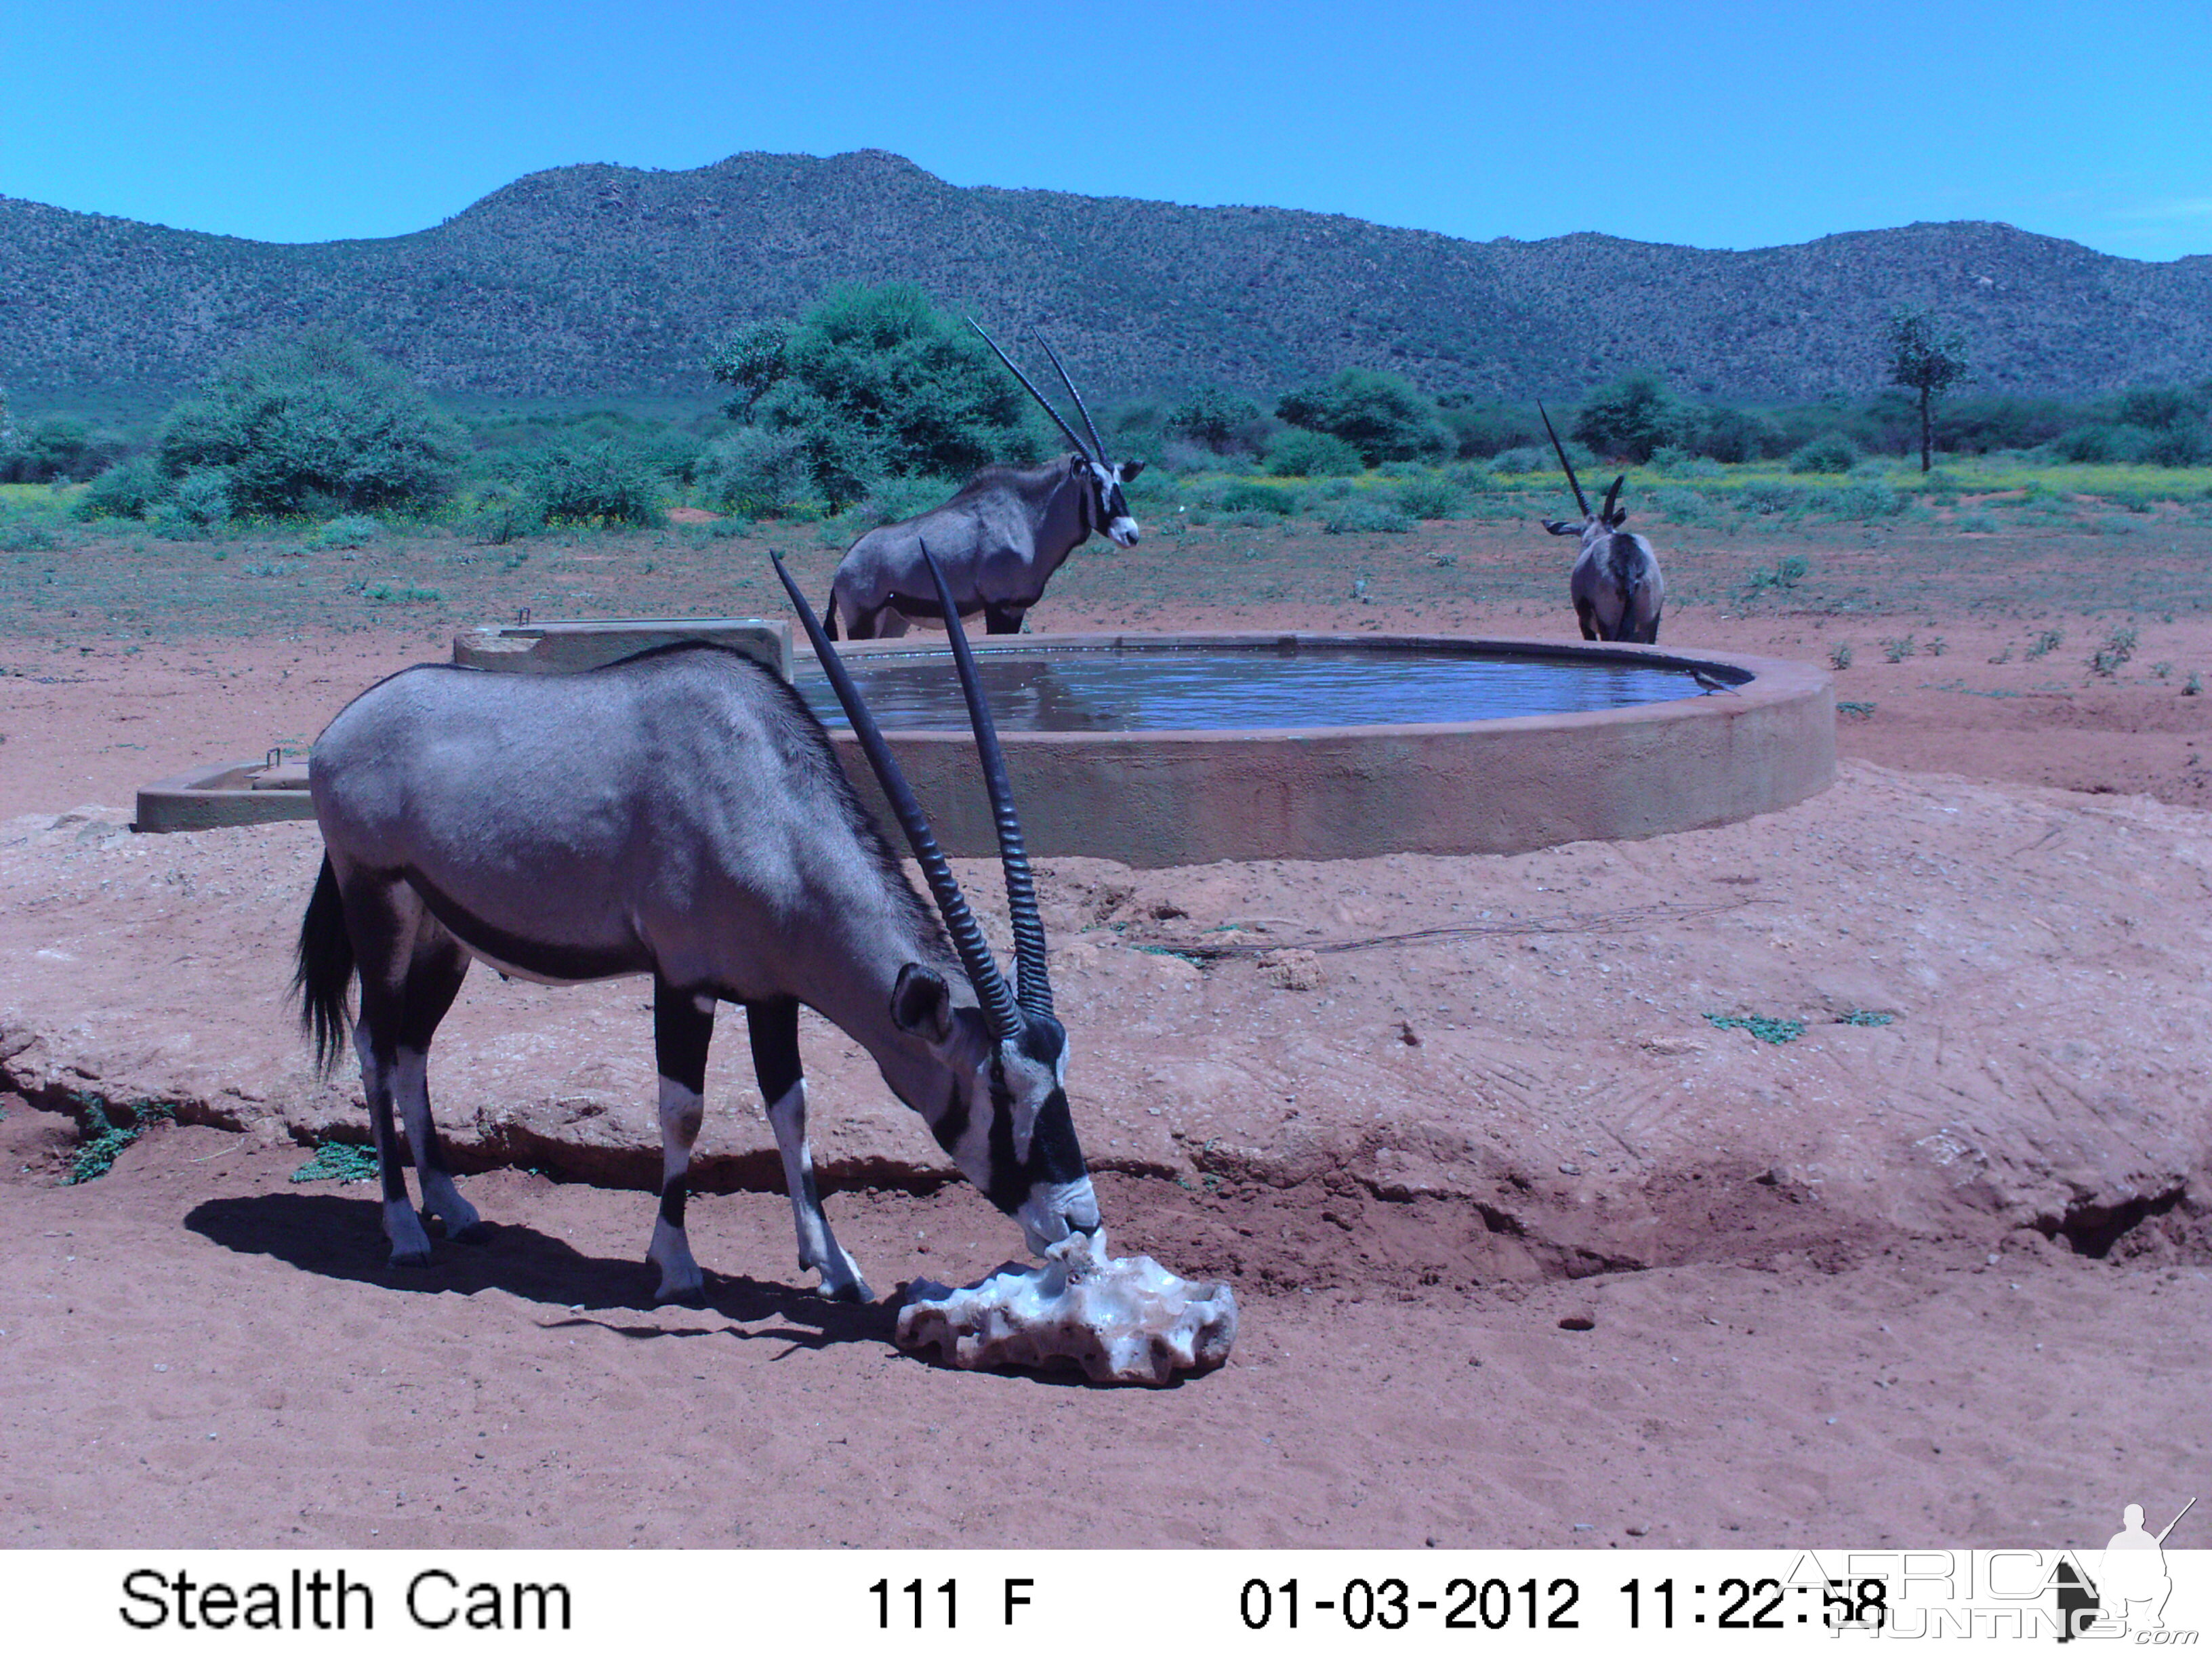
<point>1130,470</point>
<point>1562,527</point>
<point>921,1003</point>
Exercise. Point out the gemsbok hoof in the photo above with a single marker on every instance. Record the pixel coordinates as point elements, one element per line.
<point>410,1258</point>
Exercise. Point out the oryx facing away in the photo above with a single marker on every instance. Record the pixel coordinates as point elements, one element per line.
<point>1615,585</point>
<point>679,814</point>
<point>1000,539</point>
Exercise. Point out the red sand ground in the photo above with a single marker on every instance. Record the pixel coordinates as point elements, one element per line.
<point>197,1352</point>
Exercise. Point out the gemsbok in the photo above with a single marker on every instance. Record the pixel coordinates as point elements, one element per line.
<point>680,814</point>
<point>1000,538</point>
<point>1615,584</point>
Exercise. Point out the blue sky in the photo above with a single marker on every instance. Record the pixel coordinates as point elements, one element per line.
<point>1724,124</point>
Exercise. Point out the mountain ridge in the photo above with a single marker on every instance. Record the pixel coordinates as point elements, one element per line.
<point>600,281</point>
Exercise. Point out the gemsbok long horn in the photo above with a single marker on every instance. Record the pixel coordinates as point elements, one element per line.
<point>999,1005</point>
<point>1082,407</point>
<point>1032,983</point>
<point>1081,448</point>
<point>1611,496</point>
<point>1559,449</point>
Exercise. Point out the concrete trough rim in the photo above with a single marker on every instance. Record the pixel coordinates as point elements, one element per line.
<point>1177,797</point>
<point>1767,680</point>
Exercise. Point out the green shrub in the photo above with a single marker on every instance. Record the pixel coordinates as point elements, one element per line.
<point>1249,495</point>
<point>1382,416</point>
<point>1860,499</point>
<point>57,449</point>
<point>1299,453</point>
<point>878,383</point>
<point>1678,505</point>
<point>1832,452</point>
<point>201,500</point>
<point>1365,517</point>
<point>1429,497</point>
<point>315,424</point>
<point>756,471</point>
<point>129,490</point>
<point>1221,421</point>
<point>1632,417</point>
<point>894,499</point>
<point>504,516</point>
<point>1732,434</point>
<point>1766,497</point>
<point>351,530</point>
<point>594,483</point>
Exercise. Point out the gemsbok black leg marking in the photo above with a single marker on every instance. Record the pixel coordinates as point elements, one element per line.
<point>383,918</point>
<point>774,1027</point>
<point>683,1027</point>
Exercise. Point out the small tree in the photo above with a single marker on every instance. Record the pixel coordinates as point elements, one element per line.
<point>1929,359</point>
<point>1218,419</point>
<point>878,382</point>
<point>1384,416</point>
<point>749,362</point>
<point>314,423</point>
<point>1632,417</point>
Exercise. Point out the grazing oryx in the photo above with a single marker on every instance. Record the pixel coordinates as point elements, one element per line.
<point>1616,585</point>
<point>679,814</point>
<point>999,539</point>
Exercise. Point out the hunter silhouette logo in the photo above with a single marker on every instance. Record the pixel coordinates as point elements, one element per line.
<point>2131,1586</point>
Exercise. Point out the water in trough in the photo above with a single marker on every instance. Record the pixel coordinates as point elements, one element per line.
<point>1168,688</point>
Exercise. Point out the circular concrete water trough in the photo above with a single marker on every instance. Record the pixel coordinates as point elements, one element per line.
<point>1160,749</point>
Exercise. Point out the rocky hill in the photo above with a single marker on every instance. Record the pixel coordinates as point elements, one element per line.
<point>604,281</point>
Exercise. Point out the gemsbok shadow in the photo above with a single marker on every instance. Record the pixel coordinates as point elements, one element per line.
<point>338,1237</point>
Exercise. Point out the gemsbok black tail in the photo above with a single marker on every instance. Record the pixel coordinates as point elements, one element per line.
<point>325,978</point>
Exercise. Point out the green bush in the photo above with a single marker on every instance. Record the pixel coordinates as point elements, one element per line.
<point>894,499</point>
<point>1862,498</point>
<point>314,423</point>
<point>200,501</point>
<point>1833,452</point>
<point>1382,416</point>
<point>351,530</point>
<point>1299,453</point>
<point>1248,496</point>
<point>594,483</point>
<point>878,383</point>
<point>129,490</point>
<point>1429,497</point>
<point>1365,517</point>
<point>55,450</point>
<point>757,471</point>
<point>1733,436</point>
<point>1763,496</point>
<point>1222,421</point>
<point>504,516</point>
<point>1630,418</point>
<point>1480,430</point>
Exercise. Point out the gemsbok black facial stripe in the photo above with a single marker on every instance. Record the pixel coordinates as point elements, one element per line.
<point>1054,1153</point>
<point>1010,1180</point>
<point>950,1123</point>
